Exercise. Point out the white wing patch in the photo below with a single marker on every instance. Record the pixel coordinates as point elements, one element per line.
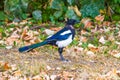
<point>49,36</point>
<point>66,32</point>
<point>64,43</point>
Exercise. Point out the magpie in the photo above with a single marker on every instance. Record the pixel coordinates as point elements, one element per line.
<point>61,39</point>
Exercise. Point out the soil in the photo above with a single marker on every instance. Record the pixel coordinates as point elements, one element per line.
<point>82,66</point>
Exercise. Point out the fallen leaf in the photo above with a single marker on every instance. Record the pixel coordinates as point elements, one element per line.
<point>17,73</point>
<point>25,30</point>
<point>106,23</point>
<point>15,23</point>
<point>78,49</point>
<point>115,53</point>
<point>111,38</point>
<point>13,67</point>
<point>87,23</point>
<point>102,40</point>
<point>2,42</point>
<point>48,67</point>
<point>100,18</point>
<point>6,66</point>
<point>119,34</point>
<point>118,72</point>
<point>0,35</point>
<point>83,32</point>
<point>55,29</point>
<point>75,8</point>
<point>92,48</point>
<point>53,77</point>
<point>9,47</point>
<point>49,32</point>
<point>83,39</point>
<point>11,41</point>
<point>36,33</point>
<point>117,42</point>
<point>90,54</point>
<point>58,68</point>
<point>67,75</point>
<point>37,77</point>
<point>23,22</point>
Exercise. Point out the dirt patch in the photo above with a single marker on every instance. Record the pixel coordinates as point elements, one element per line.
<point>81,66</point>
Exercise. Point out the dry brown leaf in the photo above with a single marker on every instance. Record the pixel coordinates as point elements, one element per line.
<point>37,77</point>
<point>15,35</point>
<point>28,37</point>
<point>49,31</point>
<point>36,33</point>
<point>41,76</point>
<point>115,53</point>
<point>83,32</point>
<point>90,54</point>
<point>92,48</point>
<point>55,29</point>
<point>48,67</point>
<point>0,35</point>
<point>11,40</point>
<point>25,30</point>
<point>67,75</point>
<point>111,75</point>
<point>15,23</point>
<point>27,43</point>
<point>102,40</point>
<point>23,22</point>
<point>106,23</point>
<point>118,43</point>
<point>87,23</point>
<point>17,73</point>
<point>78,49</point>
<point>119,34</point>
<point>100,18</point>
<point>53,77</point>
<point>6,66</point>
<point>2,42</point>
<point>8,47</point>
<point>83,39</point>
<point>13,67</point>
<point>111,38</point>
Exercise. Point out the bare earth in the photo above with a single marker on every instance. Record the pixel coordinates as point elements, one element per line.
<point>81,67</point>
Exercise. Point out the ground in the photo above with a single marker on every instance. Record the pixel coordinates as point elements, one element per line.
<point>81,67</point>
<point>94,54</point>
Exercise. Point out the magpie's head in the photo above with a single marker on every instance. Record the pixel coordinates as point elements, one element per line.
<point>72,21</point>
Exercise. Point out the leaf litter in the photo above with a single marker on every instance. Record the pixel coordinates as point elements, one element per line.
<point>96,62</point>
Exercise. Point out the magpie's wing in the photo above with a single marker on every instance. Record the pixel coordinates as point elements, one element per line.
<point>58,36</point>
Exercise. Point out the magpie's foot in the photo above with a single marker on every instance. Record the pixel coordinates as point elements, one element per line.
<point>65,60</point>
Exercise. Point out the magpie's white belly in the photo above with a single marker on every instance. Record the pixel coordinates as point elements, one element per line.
<point>64,43</point>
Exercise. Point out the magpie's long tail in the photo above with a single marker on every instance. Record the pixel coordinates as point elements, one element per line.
<point>30,47</point>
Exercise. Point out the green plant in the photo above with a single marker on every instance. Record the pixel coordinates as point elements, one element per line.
<point>16,8</point>
<point>57,10</point>
<point>91,8</point>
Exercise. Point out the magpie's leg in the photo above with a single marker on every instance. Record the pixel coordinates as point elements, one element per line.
<point>60,50</point>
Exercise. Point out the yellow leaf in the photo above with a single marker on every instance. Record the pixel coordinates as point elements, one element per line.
<point>75,8</point>
<point>102,11</point>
